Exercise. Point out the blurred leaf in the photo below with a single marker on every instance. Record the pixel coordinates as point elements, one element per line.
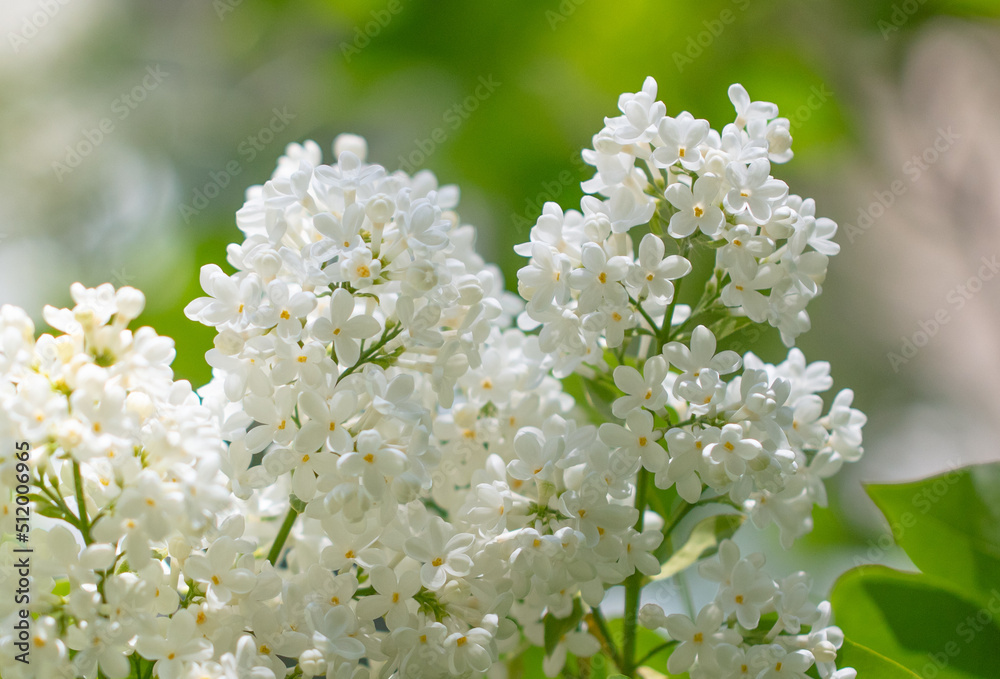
<point>527,665</point>
<point>645,642</point>
<point>729,325</point>
<point>870,663</point>
<point>946,528</point>
<point>556,628</point>
<point>593,396</point>
<point>662,500</point>
<point>919,621</point>
<point>703,543</point>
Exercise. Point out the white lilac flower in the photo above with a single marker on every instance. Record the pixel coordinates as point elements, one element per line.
<point>386,471</point>
<point>697,207</point>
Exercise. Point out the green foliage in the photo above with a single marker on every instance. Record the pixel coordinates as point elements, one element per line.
<point>556,628</point>
<point>946,528</point>
<point>703,543</point>
<point>918,621</point>
<point>945,621</point>
<point>869,663</point>
<point>648,645</point>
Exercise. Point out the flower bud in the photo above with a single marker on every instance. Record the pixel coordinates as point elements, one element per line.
<point>179,548</point>
<point>824,651</point>
<point>351,143</point>
<point>380,208</point>
<point>229,342</point>
<point>140,404</point>
<point>130,303</point>
<point>651,616</point>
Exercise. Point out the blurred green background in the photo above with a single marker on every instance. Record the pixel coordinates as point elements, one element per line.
<point>201,98</point>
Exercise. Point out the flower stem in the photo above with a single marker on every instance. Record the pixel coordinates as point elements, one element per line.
<point>81,503</point>
<point>665,645</point>
<point>606,639</point>
<point>633,585</point>
<point>279,540</point>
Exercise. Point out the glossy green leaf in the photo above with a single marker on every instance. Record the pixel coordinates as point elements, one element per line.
<point>922,622</point>
<point>947,528</point>
<point>703,543</point>
<point>871,663</point>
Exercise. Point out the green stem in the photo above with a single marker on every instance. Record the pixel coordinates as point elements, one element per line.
<point>81,503</point>
<point>279,541</point>
<point>645,314</point>
<point>633,585</point>
<point>684,510</point>
<point>387,336</point>
<point>668,316</point>
<point>665,645</point>
<point>602,626</point>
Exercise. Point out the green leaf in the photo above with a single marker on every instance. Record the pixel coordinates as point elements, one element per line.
<point>920,621</point>
<point>728,325</point>
<point>555,627</point>
<point>594,397</point>
<point>947,528</point>
<point>703,543</point>
<point>661,500</point>
<point>645,642</point>
<point>527,665</point>
<point>870,663</point>
<point>50,511</point>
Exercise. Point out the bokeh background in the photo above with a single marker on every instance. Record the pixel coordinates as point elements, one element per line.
<point>130,130</point>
